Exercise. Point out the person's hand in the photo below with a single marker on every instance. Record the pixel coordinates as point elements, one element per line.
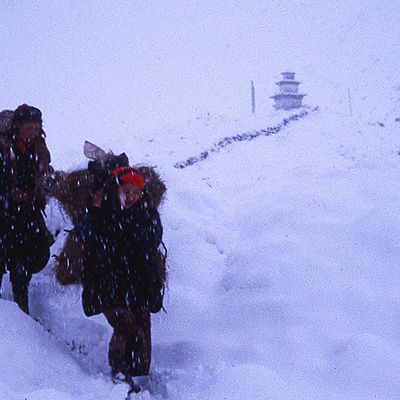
<point>97,198</point>
<point>4,142</point>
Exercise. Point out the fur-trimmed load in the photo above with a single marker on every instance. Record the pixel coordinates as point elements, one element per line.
<point>75,190</point>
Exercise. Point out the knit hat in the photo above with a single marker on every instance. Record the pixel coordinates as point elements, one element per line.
<point>127,174</point>
<point>25,113</point>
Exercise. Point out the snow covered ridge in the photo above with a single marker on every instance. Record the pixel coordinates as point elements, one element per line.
<point>243,137</point>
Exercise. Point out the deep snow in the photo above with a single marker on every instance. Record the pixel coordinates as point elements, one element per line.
<point>283,250</point>
<point>283,277</point>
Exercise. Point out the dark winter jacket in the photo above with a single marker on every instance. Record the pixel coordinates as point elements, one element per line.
<point>29,170</point>
<point>23,234</point>
<point>119,269</point>
<point>23,170</point>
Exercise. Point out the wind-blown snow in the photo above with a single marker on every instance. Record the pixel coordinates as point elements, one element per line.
<point>283,251</point>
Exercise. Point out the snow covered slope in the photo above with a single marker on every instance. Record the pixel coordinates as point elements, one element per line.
<point>296,248</point>
<point>283,275</point>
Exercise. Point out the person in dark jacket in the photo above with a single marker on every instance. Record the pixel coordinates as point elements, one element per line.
<point>120,235</point>
<point>24,167</point>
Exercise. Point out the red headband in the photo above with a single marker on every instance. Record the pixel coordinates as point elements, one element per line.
<point>128,174</point>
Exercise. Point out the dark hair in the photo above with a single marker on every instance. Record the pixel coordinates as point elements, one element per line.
<point>25,113</point>
<point>101,170</point>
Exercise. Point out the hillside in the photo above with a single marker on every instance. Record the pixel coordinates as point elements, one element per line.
<point>283,276</point>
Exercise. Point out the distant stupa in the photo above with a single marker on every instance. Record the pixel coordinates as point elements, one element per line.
<point>288,96</point>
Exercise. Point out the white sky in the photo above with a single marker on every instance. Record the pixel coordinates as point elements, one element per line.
<point>130,66</point>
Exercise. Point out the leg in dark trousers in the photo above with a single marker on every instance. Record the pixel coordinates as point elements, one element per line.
<point>20,279</point>
<point>130,345</point>
<point>3,256</point>
<point>140,345</point>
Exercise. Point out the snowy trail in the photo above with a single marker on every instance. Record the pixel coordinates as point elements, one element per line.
<point>243,137</point>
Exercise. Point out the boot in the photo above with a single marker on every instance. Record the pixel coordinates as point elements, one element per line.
<point>21,297</point>
<point>20,283</point>
<point>141,348</point>
<point>117,353</point>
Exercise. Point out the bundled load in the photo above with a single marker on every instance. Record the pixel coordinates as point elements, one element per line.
<point>5,120</point>
<point>5,126</point>
<point>76,190</point>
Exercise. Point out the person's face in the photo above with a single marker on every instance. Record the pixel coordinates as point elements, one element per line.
<point>129,194</point>
<point>28,131</point>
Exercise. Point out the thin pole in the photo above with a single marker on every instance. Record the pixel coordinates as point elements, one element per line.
<point>253,98</point>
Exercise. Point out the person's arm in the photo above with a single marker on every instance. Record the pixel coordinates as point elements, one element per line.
<point>43,162</point>
<point>88,226</point>
<point>154,230</point>
<point>4,178</point>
